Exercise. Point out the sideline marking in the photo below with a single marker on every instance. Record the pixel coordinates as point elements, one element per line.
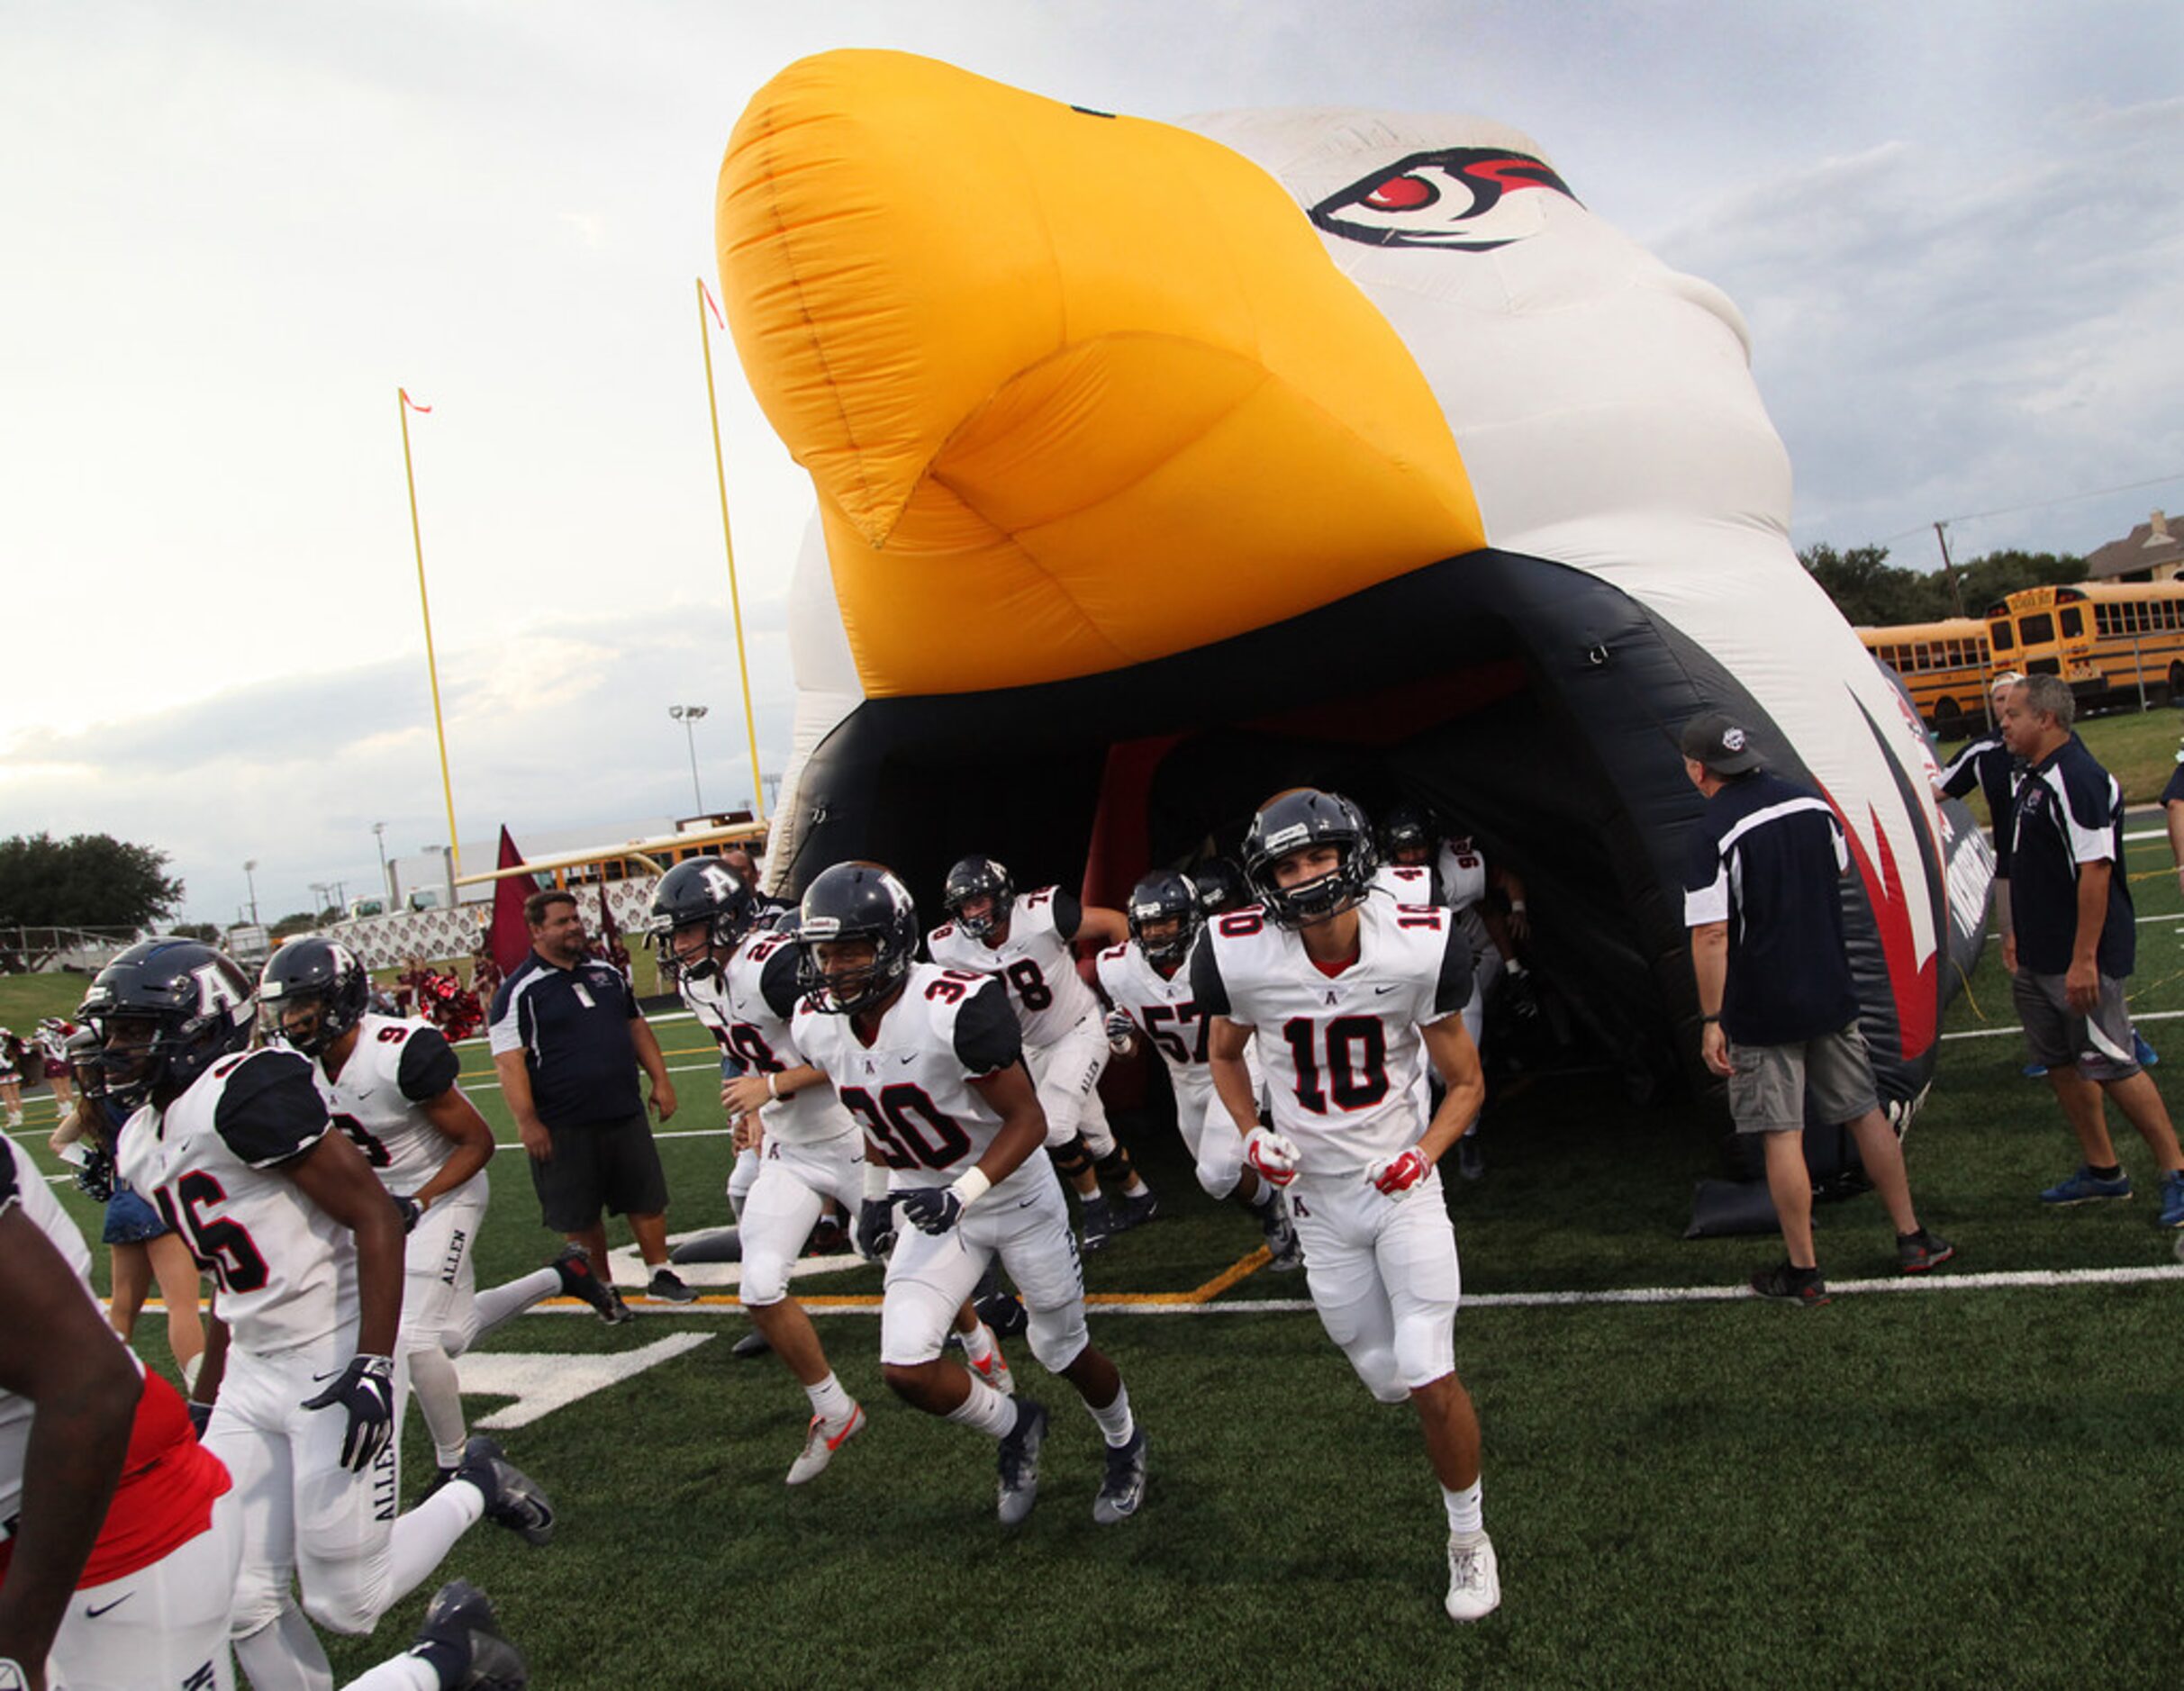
<point>543,1383</point>
<point>1997,1033</point>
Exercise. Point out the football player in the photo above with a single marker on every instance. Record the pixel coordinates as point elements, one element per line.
<point>1150,988</point>
<point>929,1061</point>
<point>1027,941</point>
<point>1351,995</point>
<point>235,1147</point>
<point>390,1085</point>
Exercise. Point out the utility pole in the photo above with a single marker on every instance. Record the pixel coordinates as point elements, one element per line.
<point>1941,533</point>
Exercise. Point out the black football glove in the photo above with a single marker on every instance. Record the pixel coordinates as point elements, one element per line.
<point>932,1208</point>
<point>366,1388</point>
<point>95,1173</point>
<point>409,1210</point>
<point>876,1227</point>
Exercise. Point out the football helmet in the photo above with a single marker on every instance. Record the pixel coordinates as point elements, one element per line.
<point>165,1012</point>
<point>976,877</point>
<point>1292,822</point>
<point>1219,885</point>
<point>854,902</point>
<point>701,890</point>
<point>312,992</point>
<point>1406,827</point>
<point>1164,917</point>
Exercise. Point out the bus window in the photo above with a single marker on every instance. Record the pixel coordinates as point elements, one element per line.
<point>2001,635</point>
<point>2073,622</point>
<point>2039,629</point>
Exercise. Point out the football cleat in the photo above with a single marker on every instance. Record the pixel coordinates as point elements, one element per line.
<point>1099,1221</point>
<point>820,1445</point>
<point>573,1265</point>
<point>668,1288</point>
<point>1916,1252</point>
<point>1122,1487</point>
<point>752,1344</point>
<point>512,1498</point>
<point>1137,1208</point>
<point>1787,1283</point>
<point>994,1371</point>
<point>460,1622</point>
<point>1475,1578</point>
<point>1018,1461</point>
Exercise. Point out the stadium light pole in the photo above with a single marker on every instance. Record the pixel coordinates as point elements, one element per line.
<point>250,875</point>
<point>386,887</point>
<point>688,716</point>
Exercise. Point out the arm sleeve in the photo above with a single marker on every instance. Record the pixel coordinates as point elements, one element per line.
<point>987,1037</point>
<point>270,1109</point>
<point>429,1065</point>
<point>1068,913</point>
<point>778,982</point>
<point>1453,987</point>
<point>1208,992</point>
<point>1706,883</point>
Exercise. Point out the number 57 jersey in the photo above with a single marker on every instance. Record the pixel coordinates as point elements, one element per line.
<point>1346,1065</point>
<point>909,1089</point>
<point>212,1162</point>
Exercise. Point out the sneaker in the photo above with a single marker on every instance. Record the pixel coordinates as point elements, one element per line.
<point>459,1621</point>
<point>1915,1252</point>
<point>1791,1285</point>
<point>1475,1578</point>
<point>1018,1463</point>
<point>2146,1054</point>
<point>1137,1208</point>
<point>1122,1487</point>
<point>666,1286</point>
<point>2034,1070</point>
<point>513,1499</point>
<point>994,1371</point>
<point>820,1445</point>
<point>1099,1222</point>
<point>1470,1159</point>
<point>2172,1200</point>
<point>2085,1187</point>
<point>1285,1250</point>
<point>577,1280</point>
<point>615,1312</point>
<point>752,1344</point>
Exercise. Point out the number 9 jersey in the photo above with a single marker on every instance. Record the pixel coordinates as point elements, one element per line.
<point>1346,1066</point>
<point>396,1065</point>
<point>212,1162</point>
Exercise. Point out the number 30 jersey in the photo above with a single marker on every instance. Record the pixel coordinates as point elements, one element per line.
<point>910,1088</point>
<point>1346,1065</point>
<point>396,1065</point>
<point>1036,961</point>
<point>212,1162</point>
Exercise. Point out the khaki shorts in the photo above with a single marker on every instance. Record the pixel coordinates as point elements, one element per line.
<point>2101,1046</point>
<point>1767,1089</point>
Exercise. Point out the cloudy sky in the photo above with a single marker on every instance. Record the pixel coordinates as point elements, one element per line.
<point>1957,231</point>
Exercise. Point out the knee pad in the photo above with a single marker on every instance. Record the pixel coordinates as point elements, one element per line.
<point>349,1610</point>
<point>1058,1336</point>
<point>1073,1159</point>
<point>766,1279</point>
<point>1218,1185</point>
<point>259,1603</point>
<point>1099,1138</point>
<point>742,1178</point>
<point>1381,1372</point>
<point>1114,1162</point>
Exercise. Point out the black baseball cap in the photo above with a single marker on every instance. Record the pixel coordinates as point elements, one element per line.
<point>1720,744</point>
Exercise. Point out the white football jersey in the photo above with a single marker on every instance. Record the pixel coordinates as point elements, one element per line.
<point>1162,1007</point>
<point>761,1000</point>
<point>910,1089</point>
<point>1346,1066</point>
<point>287,1271</point>
<point>397,1065</point>
<point>1416,884</point>
<point>1049,995</point>
<point>21,1185</point>
<point>1462,866</point>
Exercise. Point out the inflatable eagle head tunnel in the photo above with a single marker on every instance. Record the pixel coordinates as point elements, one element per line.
<point>1160,467</point>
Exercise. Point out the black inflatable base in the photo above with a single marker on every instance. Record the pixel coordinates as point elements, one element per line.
<point>721,1244</point>
<point>1722,1209</point>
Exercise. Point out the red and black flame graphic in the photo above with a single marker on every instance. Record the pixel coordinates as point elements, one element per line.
<point>1448,199</point>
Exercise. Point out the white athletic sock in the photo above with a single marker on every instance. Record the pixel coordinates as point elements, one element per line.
<point>829,1402</point>
<point>978,1343</point>
<point>1115,1421</point>
<point>1136,1187</point>
<point>285,1656</point>
<point>405,1673</point>
<point>423,1538</point>
<point>1464,1511</point>
<point>986,1410</point>
<point>439,1399</point>
<point>497,1303</point>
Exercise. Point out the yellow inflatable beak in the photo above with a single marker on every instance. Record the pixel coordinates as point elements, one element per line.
<point>1085,388</point>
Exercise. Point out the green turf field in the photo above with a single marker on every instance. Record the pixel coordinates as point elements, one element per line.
<point>1968,1486</point>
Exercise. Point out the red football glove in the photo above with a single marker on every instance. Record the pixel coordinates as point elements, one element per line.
<point>1398,1176</point>
<point>1273,1155</point>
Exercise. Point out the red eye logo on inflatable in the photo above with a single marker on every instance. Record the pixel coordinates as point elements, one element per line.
<point>1459,198</point>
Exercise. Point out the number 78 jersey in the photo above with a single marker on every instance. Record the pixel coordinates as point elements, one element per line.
<point>1346,1063</point>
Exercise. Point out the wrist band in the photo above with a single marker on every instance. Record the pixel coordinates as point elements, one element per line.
<point>971,1186</point>
<point>876,1181</point>
<point>1709,1018</point>
<point>772,1091</point>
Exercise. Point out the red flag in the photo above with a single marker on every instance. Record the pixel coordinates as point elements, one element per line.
<point>510,939</point>
<point>610,937</point>
<point>422,410</point>
<point>710,305</point>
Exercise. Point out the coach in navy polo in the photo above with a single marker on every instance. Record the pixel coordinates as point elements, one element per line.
<point>568,1040</point>
<point>1779,1012</point>
<point>2072,943</point>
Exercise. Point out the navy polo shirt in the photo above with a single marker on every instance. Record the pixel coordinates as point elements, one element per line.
<point>2173,793</point>
<point>1767,858</point>
<point>572,1027</point>
<point>2069,811</point>
<point>1994,769</point>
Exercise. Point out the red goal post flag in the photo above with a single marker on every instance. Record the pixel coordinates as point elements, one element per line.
<point>510,937</point>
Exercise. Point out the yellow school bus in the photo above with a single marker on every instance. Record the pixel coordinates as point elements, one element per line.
<point>2114,642</point>
<point>1945,665</point>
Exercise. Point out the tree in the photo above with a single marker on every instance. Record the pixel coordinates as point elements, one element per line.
<point>1867,589</point>
<point>1990,579</point>
<point>86,881</point>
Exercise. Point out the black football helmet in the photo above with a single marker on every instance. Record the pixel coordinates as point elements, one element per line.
<point>1404,827</point>
<point>853,902</point>
<point>701,889</point>
<point>1164,917</point>
<point>1219,886</point>
<point>165,1012</point>
<point>312,992</point>
<point>1290,822</point>
<point>975,877</point>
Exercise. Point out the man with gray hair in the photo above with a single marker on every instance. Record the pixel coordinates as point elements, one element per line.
<point>2073,944</point>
